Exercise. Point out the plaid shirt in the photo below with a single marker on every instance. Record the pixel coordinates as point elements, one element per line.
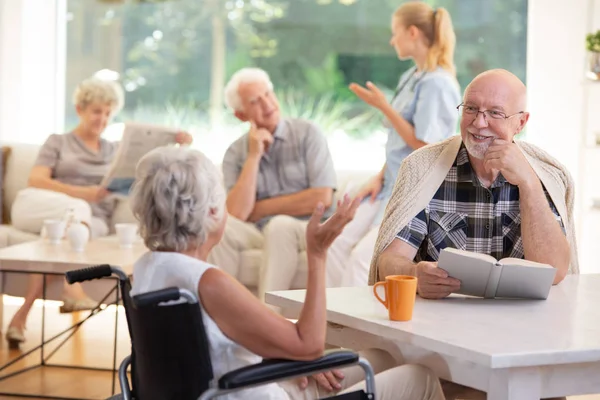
<point>465,215</point>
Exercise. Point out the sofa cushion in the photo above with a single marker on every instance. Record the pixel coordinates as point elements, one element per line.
<point>10,236</point>
<point>122,214</point>
<point>18,167</point>
<point>249,269</point>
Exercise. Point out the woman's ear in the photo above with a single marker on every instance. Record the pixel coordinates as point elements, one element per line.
<point>413,32</point>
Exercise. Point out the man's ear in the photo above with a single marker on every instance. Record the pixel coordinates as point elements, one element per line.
<point>241,116</point>
<point>522,122</point>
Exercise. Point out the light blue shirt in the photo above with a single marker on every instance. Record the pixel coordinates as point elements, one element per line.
<point>428,101</point>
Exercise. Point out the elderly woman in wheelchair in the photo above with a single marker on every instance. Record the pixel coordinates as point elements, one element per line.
<point>179,202</point>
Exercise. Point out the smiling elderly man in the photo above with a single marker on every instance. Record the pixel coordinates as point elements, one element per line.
<point>482,192</point>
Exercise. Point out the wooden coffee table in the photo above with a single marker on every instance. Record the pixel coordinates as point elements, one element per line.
<point>44,258</point>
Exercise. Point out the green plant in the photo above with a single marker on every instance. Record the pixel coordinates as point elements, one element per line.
<point>331,114</point>
<point>593,42</point>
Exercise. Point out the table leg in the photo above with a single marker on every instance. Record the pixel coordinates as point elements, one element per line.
<point>1,312</point>
<point>42,360</point>
<point>516,384</point>
<point>114,373</point>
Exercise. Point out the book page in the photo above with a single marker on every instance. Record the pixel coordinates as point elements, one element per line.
<point>138,140</point>
<point>471,269</point>
<point>524,263</point>
<point>525,281</point>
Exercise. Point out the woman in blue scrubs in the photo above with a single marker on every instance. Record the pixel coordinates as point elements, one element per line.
<point>422,111</point>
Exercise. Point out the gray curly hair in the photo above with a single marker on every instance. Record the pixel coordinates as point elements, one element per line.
<point>96,90</point>
<point>177,197</point>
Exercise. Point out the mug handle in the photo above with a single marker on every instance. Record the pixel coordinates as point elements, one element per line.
<point>384,302</point>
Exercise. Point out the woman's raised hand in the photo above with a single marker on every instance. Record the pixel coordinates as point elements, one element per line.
<point>319,236</point>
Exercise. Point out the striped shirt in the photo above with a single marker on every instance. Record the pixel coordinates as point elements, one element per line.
<point>465,215</point>
<point>298,159</point>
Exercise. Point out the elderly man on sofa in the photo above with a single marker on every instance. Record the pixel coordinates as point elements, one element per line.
<point>482,192</point>
<point>275,175</point>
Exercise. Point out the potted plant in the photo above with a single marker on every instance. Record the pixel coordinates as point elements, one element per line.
<point>593,47</point>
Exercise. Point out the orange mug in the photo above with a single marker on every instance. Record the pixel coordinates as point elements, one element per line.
<point>400,294</point>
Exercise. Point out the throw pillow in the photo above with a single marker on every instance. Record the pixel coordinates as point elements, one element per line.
<point>6,150</point>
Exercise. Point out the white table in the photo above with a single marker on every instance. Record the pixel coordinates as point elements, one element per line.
<point>44,258</point>
<point>511,349</point>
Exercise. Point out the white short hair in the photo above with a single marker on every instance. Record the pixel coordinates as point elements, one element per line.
<point>244,75</point>
<point>95,90</point>
<point>177,197</point>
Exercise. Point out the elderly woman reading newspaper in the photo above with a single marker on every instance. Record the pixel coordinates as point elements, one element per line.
<point>67,176</point>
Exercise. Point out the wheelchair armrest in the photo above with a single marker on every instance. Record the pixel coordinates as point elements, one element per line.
<point>276,370</point>
<point>155,297</point>
<point>163,295</point>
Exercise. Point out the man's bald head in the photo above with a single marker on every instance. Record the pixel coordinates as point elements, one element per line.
<point>500,99</point>
<point>501,83</point>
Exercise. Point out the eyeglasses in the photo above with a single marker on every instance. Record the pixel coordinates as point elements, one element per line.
<point>487,114</point>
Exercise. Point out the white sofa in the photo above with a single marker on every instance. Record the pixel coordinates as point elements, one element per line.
<point>18,167</point>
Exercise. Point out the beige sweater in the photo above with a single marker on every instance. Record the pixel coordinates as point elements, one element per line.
<point>422,173</point>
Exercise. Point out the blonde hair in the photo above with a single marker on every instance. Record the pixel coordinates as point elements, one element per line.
<point>95,90</point>
<point>437,28</point>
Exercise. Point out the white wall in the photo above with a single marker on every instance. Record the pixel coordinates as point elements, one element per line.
<point>560,101</point>
<point>555,76</point>
<point>31,86</point>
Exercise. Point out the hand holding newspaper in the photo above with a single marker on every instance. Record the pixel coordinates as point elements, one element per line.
<point>138,140</point>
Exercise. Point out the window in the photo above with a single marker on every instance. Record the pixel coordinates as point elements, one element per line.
<point>174,57</point>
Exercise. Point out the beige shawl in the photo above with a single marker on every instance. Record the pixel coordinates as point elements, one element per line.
<point>422,173</point>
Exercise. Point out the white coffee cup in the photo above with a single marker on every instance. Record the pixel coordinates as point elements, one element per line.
<point>78,235</point>
<point>55,230</point>
<point>126,233</point>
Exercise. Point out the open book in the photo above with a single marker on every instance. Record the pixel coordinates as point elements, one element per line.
<point>483,276</point>
<point>137,141</point>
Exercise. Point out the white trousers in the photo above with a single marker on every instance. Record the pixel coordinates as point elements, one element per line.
<point>238,237</point>
<point>32,206</point>
<point>348,259</point>
<point>406,382</point>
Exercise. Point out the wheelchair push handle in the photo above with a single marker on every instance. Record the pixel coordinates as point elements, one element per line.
<point>89,273</point>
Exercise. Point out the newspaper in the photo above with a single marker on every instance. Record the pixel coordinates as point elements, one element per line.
<point>138,139</point>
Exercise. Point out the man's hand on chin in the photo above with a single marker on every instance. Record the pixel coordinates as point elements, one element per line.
<point>507,158</point>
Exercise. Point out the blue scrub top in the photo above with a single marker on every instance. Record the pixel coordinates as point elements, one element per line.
<point>427,100</point>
